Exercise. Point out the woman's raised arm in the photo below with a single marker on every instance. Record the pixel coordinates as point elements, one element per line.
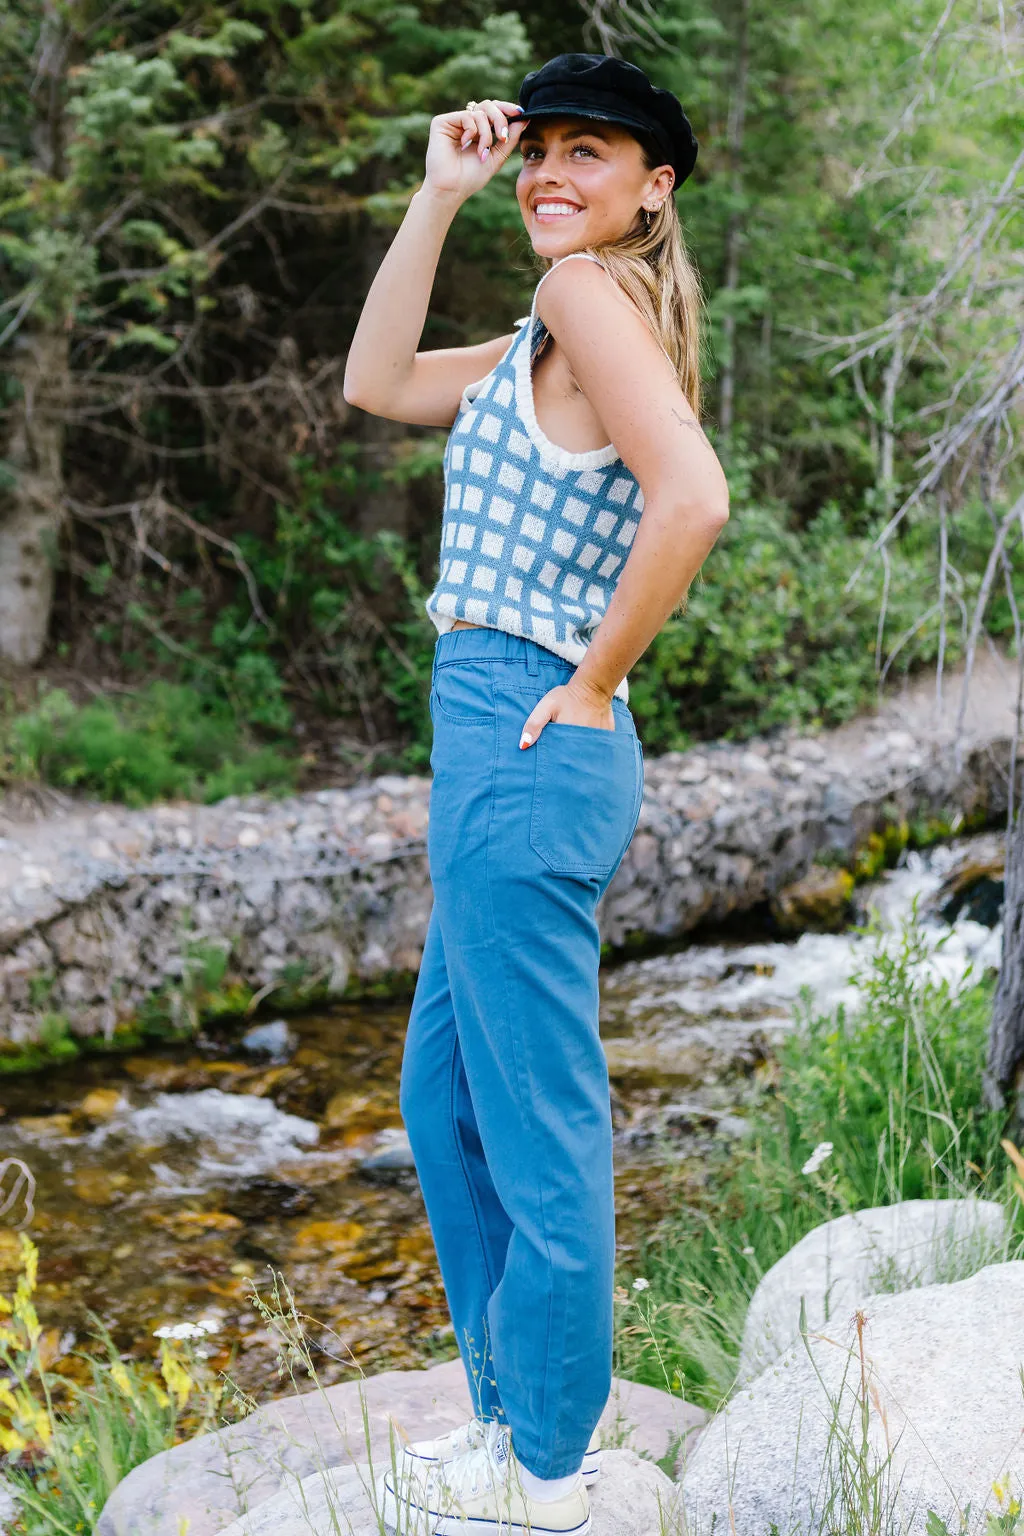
<point>385,374</point>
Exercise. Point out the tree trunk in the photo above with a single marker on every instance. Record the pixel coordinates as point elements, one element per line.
<point>30,506</point>
<point>1004,1077</point>
<point>734,228</point>
<point>31,494</point>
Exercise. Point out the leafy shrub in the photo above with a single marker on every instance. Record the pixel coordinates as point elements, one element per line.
<point>770,637</point>
<point>164,741</point>
<point>345,609</point>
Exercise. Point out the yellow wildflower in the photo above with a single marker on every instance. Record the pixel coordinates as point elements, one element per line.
<point>122,1381</point>
<point>25,1312</point>
<point>175,1375</point>
<point>30,1257</point>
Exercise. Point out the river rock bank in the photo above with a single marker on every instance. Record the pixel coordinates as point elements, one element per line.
<point>315,895</point>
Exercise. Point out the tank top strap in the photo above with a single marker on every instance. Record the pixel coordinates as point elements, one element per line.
<point>536,330</point>
<point>572,256</point>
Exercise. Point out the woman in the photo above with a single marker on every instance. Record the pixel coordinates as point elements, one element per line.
<point>551,585</point>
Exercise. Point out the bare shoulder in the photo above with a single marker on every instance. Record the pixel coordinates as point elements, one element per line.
<point>620,365</point>
<point>581,295</point>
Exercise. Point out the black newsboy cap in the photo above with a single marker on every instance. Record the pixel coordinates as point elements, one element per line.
<point>611,91</point>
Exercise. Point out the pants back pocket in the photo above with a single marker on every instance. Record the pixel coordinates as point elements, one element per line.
<point>584,798</point>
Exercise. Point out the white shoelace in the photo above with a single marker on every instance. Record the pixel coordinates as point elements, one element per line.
<point>468,1436</point>
<point>473,1471</point>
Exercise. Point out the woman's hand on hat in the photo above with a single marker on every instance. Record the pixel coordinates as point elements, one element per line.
<point>465,148</point>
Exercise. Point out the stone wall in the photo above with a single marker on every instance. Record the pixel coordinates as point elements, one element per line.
<point>101,907</point>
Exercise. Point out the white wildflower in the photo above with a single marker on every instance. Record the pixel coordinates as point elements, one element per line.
<point>748,1252</point>
<point>641,1284</point>
<point>821,1154</point>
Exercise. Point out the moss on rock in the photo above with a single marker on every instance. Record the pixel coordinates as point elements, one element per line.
<point>819,902</point>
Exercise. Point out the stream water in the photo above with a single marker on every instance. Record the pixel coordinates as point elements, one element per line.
<point>169,1180</point>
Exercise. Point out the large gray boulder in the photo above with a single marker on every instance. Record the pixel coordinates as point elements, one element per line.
<point>212,1480</point>
<point>632,1498</point>
<point>891,1248</point>
<point>941,1380</point>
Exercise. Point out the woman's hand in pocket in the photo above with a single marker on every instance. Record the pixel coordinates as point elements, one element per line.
<point>572,703</point>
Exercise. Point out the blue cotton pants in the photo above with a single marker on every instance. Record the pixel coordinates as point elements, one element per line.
<point>504,1085</point>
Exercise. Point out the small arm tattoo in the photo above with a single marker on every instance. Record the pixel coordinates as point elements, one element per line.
<point>694,426</point>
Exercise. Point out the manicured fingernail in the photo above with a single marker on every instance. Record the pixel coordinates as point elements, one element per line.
<point>485,152</point>
<point>526,740</point>
<point>503,134</point>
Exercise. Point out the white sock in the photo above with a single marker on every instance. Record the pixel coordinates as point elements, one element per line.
<point>545,1490</point>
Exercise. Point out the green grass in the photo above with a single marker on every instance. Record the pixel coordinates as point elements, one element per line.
<point>165,741</point>
<point>896,1089</point>
<point>116,1421</point>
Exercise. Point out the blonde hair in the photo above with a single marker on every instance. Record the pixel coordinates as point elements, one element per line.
<point>654,269</point>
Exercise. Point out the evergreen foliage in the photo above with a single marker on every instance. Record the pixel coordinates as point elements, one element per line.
<point>195,201</point>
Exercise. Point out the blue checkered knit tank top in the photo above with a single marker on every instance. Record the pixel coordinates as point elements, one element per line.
<point>533,537</point>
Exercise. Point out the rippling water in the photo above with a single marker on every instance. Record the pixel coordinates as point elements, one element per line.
<point>169,1180</point>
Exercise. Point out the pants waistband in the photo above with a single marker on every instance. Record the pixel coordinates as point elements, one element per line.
<point>483,644</point>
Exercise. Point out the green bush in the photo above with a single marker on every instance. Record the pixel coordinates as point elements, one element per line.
<point>895,1088</point>
<point>164,741</point>
<point>345,610</point>
<point>770,636</point>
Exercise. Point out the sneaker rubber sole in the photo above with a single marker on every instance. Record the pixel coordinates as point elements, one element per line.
<point>452,1525</point>
<point>591,1468</point>
<point>420,1520</point>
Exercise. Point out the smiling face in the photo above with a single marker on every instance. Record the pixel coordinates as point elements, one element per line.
<point>584,183</point>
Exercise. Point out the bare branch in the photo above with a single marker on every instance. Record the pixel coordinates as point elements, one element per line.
<point>614,24</point>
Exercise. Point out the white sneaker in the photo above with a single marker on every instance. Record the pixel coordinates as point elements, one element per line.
<point>471,1434</point>
<point>478,1491</point>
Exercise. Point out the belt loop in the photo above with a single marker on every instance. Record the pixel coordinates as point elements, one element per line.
<point>532,658</point>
